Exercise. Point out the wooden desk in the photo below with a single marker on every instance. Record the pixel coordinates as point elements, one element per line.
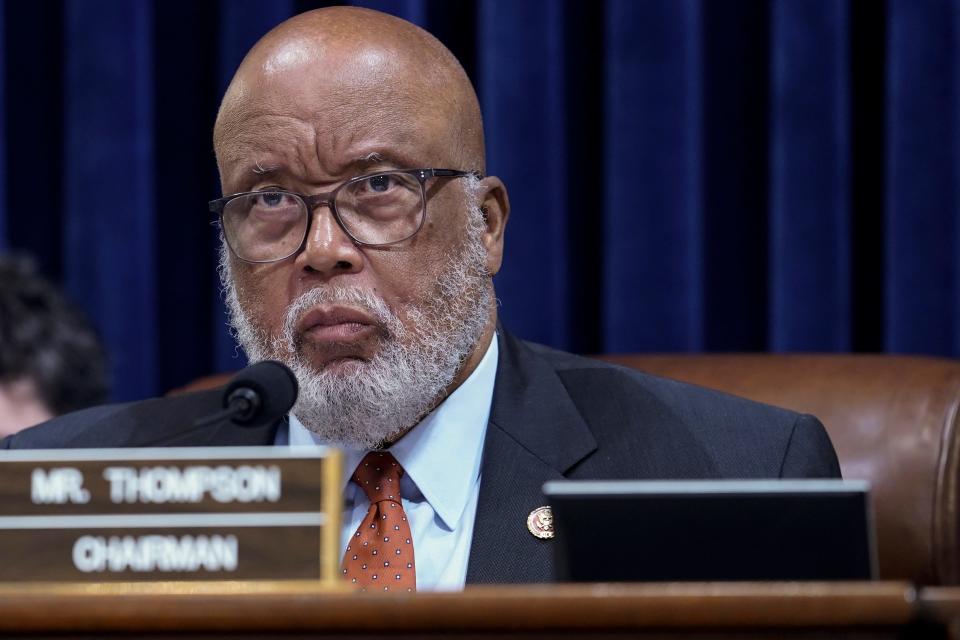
<point>713,610</point>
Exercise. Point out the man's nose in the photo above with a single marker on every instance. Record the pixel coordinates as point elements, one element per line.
<point>328,249</point>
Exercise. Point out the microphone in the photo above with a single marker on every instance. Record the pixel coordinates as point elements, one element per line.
<point>257,395</point>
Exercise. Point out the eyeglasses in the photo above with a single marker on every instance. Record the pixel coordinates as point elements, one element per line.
<point>374,210</point>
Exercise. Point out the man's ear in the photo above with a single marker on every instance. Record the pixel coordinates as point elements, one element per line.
<point>495,206</point>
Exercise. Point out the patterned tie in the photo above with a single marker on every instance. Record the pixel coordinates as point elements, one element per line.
<point>380,554</point>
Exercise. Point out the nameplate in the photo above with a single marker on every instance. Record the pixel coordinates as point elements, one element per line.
<point>170,514</point>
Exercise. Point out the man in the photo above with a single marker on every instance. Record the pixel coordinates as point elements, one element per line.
<point>361,237</point>
<point>51,360</point>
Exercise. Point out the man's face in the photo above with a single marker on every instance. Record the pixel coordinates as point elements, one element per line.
<point>307,125</point>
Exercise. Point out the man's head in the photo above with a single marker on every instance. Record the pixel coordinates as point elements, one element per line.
<point>51,361</point>
<point>376,334</point>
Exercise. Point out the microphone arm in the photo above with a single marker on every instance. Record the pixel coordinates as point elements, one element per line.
<point>260,394</point>
<point>243,405</point>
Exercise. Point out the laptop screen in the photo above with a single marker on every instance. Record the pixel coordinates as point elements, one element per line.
<point>637,531</point>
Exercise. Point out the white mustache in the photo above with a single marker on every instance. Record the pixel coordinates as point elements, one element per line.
<point>348,296</point>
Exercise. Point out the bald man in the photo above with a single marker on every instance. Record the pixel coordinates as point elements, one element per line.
<point>361,234</point>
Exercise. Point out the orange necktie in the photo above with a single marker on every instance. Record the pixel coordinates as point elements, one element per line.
<point>379,556</point>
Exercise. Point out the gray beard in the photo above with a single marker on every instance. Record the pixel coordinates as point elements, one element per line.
<point>375,401</point>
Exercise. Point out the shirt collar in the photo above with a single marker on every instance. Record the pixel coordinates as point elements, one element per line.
<point>442,454</point>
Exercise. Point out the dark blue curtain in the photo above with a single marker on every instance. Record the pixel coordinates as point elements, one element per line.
<point>686,175</point>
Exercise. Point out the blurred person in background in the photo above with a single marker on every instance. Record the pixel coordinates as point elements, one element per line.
<point>51,360</point>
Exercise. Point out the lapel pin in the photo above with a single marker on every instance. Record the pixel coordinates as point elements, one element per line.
<point>540,523</point>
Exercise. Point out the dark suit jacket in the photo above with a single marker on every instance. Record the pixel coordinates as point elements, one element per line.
<point>554,415</point>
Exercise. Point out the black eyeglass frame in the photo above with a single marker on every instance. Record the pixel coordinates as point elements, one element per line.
<point>329,199</point>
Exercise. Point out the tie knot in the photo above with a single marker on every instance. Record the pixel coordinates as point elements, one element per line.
<point>378,474</point>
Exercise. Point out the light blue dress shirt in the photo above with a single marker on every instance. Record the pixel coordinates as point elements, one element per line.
<point>441,484</point>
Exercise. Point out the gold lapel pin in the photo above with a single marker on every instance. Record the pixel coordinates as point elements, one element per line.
<point>540,523</point>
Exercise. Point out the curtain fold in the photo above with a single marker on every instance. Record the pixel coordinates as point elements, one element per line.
<point>653,205</point>
<point>921,185</point>
<point>809,286</point>
<point>524,111</point>
<point>685,175</point>
<point>109,215</point>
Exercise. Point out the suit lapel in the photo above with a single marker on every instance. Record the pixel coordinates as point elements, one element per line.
<point>535,434</point>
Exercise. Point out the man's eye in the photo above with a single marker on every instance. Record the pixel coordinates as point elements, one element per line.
<point>380,184</point>
<point>272,199</point>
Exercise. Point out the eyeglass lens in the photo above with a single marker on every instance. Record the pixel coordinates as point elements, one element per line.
<point>271,225</point>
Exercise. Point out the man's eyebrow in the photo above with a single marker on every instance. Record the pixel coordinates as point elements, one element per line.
<point>261,170</point>
<point>378,159</point>
<point>360,164</point>
<point>369,160</point>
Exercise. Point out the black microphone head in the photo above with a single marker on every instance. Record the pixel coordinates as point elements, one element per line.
<point>267,389</point>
